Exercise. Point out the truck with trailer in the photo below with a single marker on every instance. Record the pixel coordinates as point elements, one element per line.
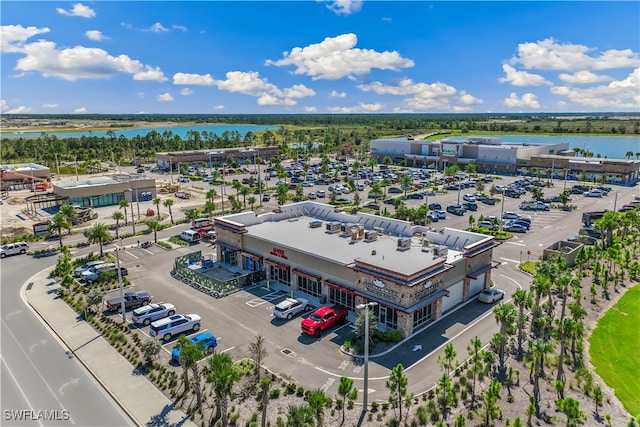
<point>588,218</point>
<point>322,319</point>
<point>83,214</point>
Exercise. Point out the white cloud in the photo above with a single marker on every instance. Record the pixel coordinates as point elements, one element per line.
<point>179,27</point>
<point>186,91</point>
<point>141,95</point>
<point>310,109</point>
<point>616,95</point>
<point>360,108</point>
<point>528,100</point>
<point>158,28</point>
<point>50,105</point>
<point>583,77</point>
<point>13,37</point>
<point>336,94</point>
<point>250,83</point>
<point>78,10</point>
<point>165,97</point>
<point>344,7</point>
<point>409,87</point>
<point>521,78</point>
<point>219,107</point>
<point>150,74</point>
<point>80,62</point>
<point>337,57</point>
<point>549,55</point>
<point>193,79</point>
<point>80,110</point>
<point>5,108</point>
<point>467,99</point>
<point>95,35</point>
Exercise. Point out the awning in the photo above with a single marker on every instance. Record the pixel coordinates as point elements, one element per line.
<point>480,271</point>
<point>338,287</point>
<point>252,256</point>
<point>306,275</point>
<point>227,246</point>
<point>276,264</point>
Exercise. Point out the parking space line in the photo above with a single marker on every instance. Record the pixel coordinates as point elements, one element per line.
<point>265,298</point>
<point>130,254</point>
<point>228,349</point>
<point>147,251</point>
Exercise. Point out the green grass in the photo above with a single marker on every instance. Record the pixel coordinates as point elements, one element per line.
<point>615,349</point>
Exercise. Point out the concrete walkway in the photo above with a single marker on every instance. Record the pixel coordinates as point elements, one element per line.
<point>136,395</point>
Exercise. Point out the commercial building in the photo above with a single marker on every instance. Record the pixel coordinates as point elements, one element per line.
<point>170,160</point>
<point>492,155</point>
<point>23,175</point>
<point>489,153</point>
<point>107,190</point>
<point>415,274</point>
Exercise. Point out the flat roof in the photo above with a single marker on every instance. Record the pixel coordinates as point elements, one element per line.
<point>290,228</point>
<point>106,180</point>
<point>17,167</point>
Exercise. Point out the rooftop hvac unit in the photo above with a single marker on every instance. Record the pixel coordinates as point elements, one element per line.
<point>441,251</point>
<point>370,235</point>
<point>426,245</point>
<point>360,231</point>
<point>315,224</point>
<point>404,243</point>
<point>333,227</point>
<point>379,230</point>
<point>354,234</point>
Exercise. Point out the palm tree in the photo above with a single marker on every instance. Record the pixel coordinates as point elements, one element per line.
<point>317,401</point>
<point>265,383</point>
<point>628,154</point>
<point>346,390</point>
<point>397,385</point>
<point>222,375</point>
<point>157,202</point>
<point>252,201</point>
<point>299,416</point>
<point>167,204</point>
<point>505,316</point>
<point>70,212</point>
<point>209,206</point>
<point>190,354</point>
<point>523,300</point>
<point>58,222</point>
<point>117,215</point>
<point>153,227</point>
<point>124,204</point>
<point>191,214</point>
<point>211,194</point>
<point>540,348</point>
<point>98,234</point>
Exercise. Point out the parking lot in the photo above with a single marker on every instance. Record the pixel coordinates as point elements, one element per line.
<point>235,320</point>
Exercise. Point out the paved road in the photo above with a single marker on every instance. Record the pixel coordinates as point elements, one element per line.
<point>37,374</point>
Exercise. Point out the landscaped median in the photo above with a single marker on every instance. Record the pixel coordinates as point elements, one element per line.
<point>614,348</point>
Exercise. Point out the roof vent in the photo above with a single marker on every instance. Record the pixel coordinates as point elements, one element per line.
<point>370,235</point>
<point>404,243</point>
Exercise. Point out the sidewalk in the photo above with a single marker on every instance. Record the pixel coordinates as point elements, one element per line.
<point>137,396</point>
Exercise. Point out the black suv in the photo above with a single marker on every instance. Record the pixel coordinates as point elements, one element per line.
<point>456,210</point>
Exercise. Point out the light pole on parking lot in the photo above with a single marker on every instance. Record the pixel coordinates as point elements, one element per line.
<point>365,397</point>
<point>122,306</point>
<point>502,209</point>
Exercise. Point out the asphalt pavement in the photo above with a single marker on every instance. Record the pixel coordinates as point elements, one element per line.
<point>135,394</point>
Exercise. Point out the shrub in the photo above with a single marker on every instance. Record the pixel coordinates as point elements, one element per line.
<point>390,336</point>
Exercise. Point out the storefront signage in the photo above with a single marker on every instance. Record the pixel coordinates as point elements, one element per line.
<point>40,228</point>
<point>429,289</point>
<point>279,253</point>
<point>449,150</point>
<point>377,287</point>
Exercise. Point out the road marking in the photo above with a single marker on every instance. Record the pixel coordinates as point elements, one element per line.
<point>417,347</point>
<point>73,381</point>
<point>343,365</point>
<point>130,254</point>
<point>228,349</point>
<point>510,260</point>
<point>265,298</point>
<point>24,396</point>
<point>327,384</point>
<point>149,252</point>
<point>517,244</point>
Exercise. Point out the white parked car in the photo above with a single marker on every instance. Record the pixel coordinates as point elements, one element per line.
<point>174,325</point>
<point>290,307</point>
<point>491,295</point>
<point>13,249</point>
<point>151,312</point>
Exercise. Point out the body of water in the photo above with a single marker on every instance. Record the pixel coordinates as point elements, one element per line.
<point>176,130</point>
<point>611,147</point>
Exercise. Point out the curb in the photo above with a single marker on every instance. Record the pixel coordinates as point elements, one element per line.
<point>23,294</point>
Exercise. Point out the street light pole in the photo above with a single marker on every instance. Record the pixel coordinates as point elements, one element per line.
<point>133,218</point>
<point>122,306</point>
<point>365,397</point>
<point>502,209</point>
<point>615,202</point>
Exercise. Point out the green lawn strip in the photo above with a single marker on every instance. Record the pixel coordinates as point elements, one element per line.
<point>615,349</point>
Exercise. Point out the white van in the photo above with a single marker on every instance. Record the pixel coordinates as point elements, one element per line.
<point>190,236</point>
<point>200,222</point>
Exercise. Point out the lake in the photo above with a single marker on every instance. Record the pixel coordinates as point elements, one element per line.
<point>177,130</point>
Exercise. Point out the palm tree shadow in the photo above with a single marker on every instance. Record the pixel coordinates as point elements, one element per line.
<point>160,420</point>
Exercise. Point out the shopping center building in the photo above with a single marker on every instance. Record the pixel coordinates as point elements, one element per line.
<point>107,190</point>
<point>414,274</point>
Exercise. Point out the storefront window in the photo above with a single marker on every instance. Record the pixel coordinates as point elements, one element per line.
<point>280,275</point>
<point>422,316</point>
<point>309,286</point>
<point>388,316</point>
<point>338,297</point>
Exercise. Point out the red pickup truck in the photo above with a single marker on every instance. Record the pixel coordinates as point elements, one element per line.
<point>322,319</point>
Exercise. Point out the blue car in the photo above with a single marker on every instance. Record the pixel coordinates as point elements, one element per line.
<point>205,339</point>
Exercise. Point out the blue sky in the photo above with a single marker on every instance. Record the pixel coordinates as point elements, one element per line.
<point>265,57</point>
